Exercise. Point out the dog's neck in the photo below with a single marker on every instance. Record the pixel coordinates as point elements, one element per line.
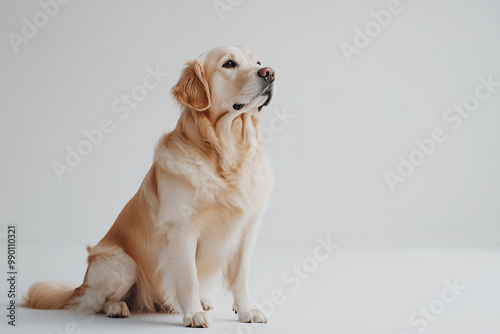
<point>232,140</point>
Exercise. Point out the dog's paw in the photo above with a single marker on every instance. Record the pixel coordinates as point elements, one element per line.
<point>116,310</point>
<point>253,315</point>
<point>206,304</point>
<point>197,319</point>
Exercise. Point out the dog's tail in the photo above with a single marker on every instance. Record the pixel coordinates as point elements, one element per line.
<point>49,296</point>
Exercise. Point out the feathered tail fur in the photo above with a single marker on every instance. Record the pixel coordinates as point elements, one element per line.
<point>49,296</point>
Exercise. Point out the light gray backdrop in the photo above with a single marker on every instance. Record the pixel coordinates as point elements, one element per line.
<point>354,112</point>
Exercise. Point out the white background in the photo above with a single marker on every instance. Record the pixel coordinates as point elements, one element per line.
<point>352,121</point>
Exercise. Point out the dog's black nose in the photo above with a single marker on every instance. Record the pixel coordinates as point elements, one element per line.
<point>267,73</point>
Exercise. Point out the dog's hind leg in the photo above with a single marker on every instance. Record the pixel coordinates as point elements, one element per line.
<point>110,275</point>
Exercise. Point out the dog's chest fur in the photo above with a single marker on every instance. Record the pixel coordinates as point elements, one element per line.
<point>197,195</point>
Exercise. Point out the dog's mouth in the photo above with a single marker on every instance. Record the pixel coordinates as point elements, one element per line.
<point>269,96</point>
<point>268,91</point>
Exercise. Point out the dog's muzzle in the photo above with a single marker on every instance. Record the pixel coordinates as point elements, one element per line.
<point>268,75</point>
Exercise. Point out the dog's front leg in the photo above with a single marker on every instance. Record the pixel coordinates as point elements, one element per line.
<point>238,277</point>
<point>181,251</point>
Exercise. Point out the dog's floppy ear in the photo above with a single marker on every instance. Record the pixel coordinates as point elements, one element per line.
<point>192,87</point>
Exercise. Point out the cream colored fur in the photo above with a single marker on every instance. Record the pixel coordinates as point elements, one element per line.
<point>195,217</point>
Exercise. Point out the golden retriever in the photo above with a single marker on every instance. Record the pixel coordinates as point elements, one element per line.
<point>195,216</point>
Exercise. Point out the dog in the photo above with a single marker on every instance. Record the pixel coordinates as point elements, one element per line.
<point>194,219</point>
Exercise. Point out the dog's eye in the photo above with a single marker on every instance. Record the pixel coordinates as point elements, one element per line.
<point>229,64</point>
<point>258,63</point>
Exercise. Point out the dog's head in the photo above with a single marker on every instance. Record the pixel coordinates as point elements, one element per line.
<point>225,79</point>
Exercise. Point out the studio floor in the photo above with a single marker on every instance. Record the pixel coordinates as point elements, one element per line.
<point>305,290</point>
